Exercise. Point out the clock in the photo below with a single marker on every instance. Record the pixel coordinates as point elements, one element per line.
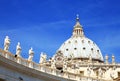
<point>59,56</point>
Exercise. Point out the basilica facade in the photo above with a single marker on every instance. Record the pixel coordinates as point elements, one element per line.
<point>77,59</point>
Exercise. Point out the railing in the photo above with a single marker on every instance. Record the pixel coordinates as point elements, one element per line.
<point>45,69</point>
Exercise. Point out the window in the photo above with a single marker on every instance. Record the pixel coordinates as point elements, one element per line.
<point>82,73</point>
<point>20,79</point>
<point>75,41</point>
<point>118,74</point>
<point>92,49</point>
<point>98,51</point>
<point>69,42</point>
<point>83,48</point>
<point>97,73</point>
<point>66,49</point>
<point>75,48</point>
<point>82,41</point>
<point>89,42</point>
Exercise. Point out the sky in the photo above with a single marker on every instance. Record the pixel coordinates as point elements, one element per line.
<point>45,24</point>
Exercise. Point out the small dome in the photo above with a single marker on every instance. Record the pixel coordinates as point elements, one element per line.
<point>79,46</point>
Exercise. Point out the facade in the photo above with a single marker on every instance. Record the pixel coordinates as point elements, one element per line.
<point>77,59</point>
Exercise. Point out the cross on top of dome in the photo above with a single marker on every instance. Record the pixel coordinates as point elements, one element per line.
<point>77,17</point>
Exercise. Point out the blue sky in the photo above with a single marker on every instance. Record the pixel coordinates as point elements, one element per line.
<point>46,24</point>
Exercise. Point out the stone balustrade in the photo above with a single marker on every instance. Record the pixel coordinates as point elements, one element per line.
<point>43,68</point>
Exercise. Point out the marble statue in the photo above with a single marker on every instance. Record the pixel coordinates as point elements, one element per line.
<point>90,58</point>
<point>88,71</point>
<point>113,59</point>
<point>100,72</point>
<point>64,66</point>
<point>112,74</point>
<point>53,63</point>
<point>6,43</point>
<point>106,59</point>
<point>18,50</point>
<point>31,53</point>
<point>43,57</point>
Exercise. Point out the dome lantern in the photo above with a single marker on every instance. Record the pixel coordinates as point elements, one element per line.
<point>78,30</point>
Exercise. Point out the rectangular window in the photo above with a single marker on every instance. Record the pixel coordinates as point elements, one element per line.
<point>82,73</point>
<point>96,73</point>
<point>118,74</point>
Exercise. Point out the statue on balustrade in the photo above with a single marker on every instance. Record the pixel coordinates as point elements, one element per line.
<point>43,58</point>
<point>6,43</point>
<point>53,63</point>
<point>18,50</point>
<point>31,53</point>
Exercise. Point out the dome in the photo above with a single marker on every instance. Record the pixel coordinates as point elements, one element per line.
<point>79,46</point>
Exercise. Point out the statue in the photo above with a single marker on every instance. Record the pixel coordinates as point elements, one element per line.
<point>100,72</point>
<point>64,65</point>
<point>113,59</point>
<point>90,58</point>
<point>43,57</point>
<point>18,50</point>
<point>6,43</point>
<point>106,59</point>
<point>113,72</point>
<point>31,53</point>
<point>72,55</point>
<point>89,71</point>
<point>53,63</point>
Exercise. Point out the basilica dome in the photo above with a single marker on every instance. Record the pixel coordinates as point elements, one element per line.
<point>78,46</point>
